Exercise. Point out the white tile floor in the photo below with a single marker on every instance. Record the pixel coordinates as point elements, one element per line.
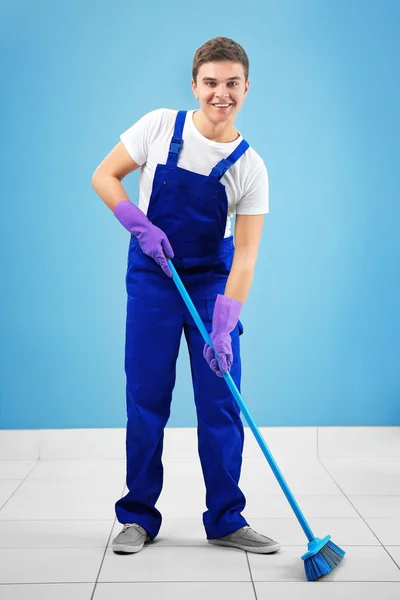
<point>57,521</point>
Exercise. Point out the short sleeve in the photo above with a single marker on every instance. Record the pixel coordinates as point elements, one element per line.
<point>255,200</point>
<point>136,139</point>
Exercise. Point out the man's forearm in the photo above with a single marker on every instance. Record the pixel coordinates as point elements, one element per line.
<point>110,190</point>
<point>240,278</point>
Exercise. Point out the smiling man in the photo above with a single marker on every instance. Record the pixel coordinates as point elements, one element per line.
<point>197,171</point>
<point>221,88</point>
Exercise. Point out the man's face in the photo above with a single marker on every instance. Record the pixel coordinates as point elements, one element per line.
<point>221,90</point>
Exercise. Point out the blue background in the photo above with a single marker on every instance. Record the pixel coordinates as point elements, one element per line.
<point>322,325</point>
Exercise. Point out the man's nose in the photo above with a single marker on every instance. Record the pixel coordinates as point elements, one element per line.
<point>221,92</point>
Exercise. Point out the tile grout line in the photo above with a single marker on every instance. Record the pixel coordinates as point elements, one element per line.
<point>16,489</point>
<point>347,498</point>
<point>337,582</point>
<point>251,576</point>
<point>105,551</point>
<point>245,581</point>
<point>160,547</point>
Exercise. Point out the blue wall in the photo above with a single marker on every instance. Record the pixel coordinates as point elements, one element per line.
<point>322,325</point>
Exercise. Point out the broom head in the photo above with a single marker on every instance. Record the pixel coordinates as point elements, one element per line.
<point>322,557</point>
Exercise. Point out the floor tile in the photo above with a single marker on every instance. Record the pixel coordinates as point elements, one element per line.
<point>176,564</point>
<point>50,565</point>
<point>180,444</point>
<point>15,469</point>
<point>361,563</point>
<point>394,552</point>
<point>212,590</point>
<point>187,504</point>
<point>387,530</point>
<point>282,442</point>
<point>275,507</point>
<point>377,507</point>
<point>327,590</point>
<point>302,477</point>
<point>71,444</point>
<point>37,591</point>
<point>188,469</point>
<point>55,534</point>
<point>7,489</point>
<point>80,469</point>
<point>369,442</point>
<point>367,477</point>
<point>288,532</point>
<point>63,499</point>
<point>20,444</point>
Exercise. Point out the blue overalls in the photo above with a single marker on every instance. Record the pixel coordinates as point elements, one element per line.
<point>192,210</point>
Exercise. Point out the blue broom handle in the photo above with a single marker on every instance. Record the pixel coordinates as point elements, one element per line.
<point>243,407</point>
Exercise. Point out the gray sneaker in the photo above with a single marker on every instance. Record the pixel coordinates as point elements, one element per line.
<point>131,539</point>
<point>248,539</point>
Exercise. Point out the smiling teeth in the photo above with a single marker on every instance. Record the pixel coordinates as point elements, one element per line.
<point>221,105</point>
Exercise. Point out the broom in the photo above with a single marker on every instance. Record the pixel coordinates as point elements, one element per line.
<point>323,555</point>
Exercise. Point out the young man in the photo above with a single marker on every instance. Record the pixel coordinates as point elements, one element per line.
<point>196,172</point>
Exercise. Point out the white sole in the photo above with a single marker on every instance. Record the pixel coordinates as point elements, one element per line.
<point>127,549</point>
<point>255,550</point>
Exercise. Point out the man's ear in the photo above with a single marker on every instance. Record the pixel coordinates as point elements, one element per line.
<point>194,88</point>
<point>246,89</point>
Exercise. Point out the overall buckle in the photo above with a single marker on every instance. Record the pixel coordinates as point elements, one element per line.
<point>175,145</point>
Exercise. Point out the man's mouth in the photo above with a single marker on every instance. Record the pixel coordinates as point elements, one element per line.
<point>222,106</point>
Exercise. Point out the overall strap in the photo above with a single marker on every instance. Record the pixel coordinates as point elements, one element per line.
<point>220,169</point>
<point>176,142</point>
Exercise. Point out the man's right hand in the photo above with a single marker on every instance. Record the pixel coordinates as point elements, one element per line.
<point>152,240</point>
<point>155,243</point>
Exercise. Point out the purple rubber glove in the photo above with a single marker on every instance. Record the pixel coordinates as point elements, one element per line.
<point>225,318</point>
<point>152,240</point>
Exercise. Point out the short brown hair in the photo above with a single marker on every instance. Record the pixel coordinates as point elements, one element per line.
<point>218,49</point>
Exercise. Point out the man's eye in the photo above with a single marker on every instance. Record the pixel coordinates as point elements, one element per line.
<point>232,83</point>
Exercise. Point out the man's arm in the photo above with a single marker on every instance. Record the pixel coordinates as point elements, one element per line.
<point>248,231</point>
<point>107,177</point>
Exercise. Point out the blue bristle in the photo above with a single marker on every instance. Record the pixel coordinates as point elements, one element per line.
<point>323,562</point>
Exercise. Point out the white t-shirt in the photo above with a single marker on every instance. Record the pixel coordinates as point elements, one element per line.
<point>148,140</point>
